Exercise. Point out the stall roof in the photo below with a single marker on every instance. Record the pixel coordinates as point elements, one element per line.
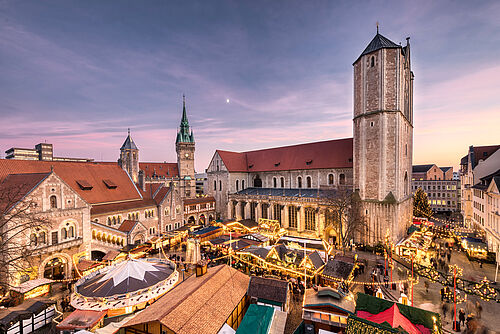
<point>81,319</point>
<point>326,296</point>
<point>11,315</point>
<point>30,285</point>
<point>268,288</point>
<point>206,230</point>
<point>257,320</point>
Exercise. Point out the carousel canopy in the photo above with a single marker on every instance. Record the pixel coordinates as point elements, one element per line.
<point>129,276</point>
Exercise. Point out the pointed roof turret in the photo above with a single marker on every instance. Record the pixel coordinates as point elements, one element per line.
<point>379,42</point>
<point>129,143</point>
<point>183,135</point>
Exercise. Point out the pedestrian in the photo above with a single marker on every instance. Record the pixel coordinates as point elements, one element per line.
<point>444,308</point>
<point>479,309</point>
<point>461,316</point>
<point>442,294</point>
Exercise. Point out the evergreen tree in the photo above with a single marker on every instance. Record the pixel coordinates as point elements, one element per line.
<point>421,206</point>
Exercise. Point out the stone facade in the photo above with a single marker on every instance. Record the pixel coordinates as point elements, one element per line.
<point>383,138</point>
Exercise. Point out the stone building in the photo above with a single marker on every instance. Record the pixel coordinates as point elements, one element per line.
<point>92,208</point>
<point>289,183</point>
<point>442,190</point>
<point>42,151</point>
<point>479,162</point>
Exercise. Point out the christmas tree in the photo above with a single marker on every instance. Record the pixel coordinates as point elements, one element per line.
<point>421,206</point>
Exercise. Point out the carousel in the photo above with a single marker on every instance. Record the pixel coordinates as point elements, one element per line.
<point>125,287</point>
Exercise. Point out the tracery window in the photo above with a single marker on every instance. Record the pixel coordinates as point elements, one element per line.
<point>310,215</point>
<point>292,216</point>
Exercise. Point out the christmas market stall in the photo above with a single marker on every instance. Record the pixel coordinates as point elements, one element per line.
<point>125,287</point>
<point>31,289</point>
<point>338,271</point>
<point>29,317</point>
<point>325,310</point>
<point>416,245</point>
<point>376,315</point>
<point>475,247</point>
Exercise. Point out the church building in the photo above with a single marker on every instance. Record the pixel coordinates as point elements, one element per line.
<point>291,184</point>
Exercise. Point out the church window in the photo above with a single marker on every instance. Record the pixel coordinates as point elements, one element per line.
<point>71,232</point>
<point>342,179</point>
<point>275,182</point>
<point>330,179</point>
<point>220,185</point>
<point>215,185</point>
<point>309,182</point>
<point>33,239</point>
<point>109,220</point>
<point>299,182</point>
<point>310,216</point>
<point>119,219</point>
<point>277,212</point>
<point>237,185</point>
<point>42,238</point>
<point>282,181</point>
<point>257,182</point>
<point>242,184</point>
<point>114,220</point>
<point>372,61</point>
<point>253,208</point>
<point>53,202</point>
<point>292,216</point>
<point>242,209</point>
<point>371,124</point>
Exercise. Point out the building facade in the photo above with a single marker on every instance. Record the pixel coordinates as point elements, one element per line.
<point>289,183</point>
<point>442,189</point>
<point>42,151</point>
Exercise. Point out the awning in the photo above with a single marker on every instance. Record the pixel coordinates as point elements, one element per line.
<point>81,319</point>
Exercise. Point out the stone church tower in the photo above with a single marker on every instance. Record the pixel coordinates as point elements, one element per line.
<point>129,158</point>
<point>383,138</point>
<point>184,146</point>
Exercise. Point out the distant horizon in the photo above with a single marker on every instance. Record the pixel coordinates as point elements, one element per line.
<point>256,75</point>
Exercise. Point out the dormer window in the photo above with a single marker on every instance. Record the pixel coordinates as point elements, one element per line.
<point>277,164</point>
<point>308,162</point>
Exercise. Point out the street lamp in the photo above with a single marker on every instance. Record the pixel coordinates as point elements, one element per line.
<point>456,271</point>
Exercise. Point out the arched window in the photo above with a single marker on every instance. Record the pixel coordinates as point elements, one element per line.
<point>330,179</point>
<point>242,184</point>
<point>146,214</point>
<point>220,185</point>
<point>275,182</point>
<point>309,182</point>
<point>237,185</point>
<point>64,234</point>
<point>33,239</point>
<point>257,182</point>
<point>109,220</point>
<point>42,238</point>
<point>299,182</point>
<point>119,219</point>
<point>114,220</point>
<point>282,181</point>
<point>372,61</point>
<point>71,232</point>
<point>215,185</point>
<point>342,179</point>
<point>53,202</point>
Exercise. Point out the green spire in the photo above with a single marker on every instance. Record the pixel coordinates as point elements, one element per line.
<point>183,135</point>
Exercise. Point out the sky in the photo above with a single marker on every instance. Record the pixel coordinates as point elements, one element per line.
<point>256,74</point>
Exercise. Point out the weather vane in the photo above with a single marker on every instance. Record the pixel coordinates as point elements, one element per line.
<point>377,27</point>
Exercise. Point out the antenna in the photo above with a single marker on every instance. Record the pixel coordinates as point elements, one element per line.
<point>377,27</point>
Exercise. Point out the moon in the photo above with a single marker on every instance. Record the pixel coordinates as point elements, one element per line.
<point>227,100</point>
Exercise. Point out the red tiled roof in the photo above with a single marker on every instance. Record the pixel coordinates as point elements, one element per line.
<point>70,172</point>
<point>15,187</point>
<point>165,169</point>
<point>81,319</point>
<point>127,225</point>
<point>160,194</point>
<point>324,154</point>
<point>199,200</point>
<point>121,206</point>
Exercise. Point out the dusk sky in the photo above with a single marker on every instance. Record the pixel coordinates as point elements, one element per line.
<point>78,74</point>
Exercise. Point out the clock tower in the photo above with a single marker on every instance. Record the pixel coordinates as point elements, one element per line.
<point>184,145</point>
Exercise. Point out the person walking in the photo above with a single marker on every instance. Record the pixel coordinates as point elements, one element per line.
<point>461,317</point>
<point>444,308</point>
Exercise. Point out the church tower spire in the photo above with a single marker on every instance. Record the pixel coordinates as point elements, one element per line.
<point>129,157</point>
<point>185,147</point>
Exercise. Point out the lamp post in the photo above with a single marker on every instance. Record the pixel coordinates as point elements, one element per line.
<point>412,255</point>
<point>456,272</point>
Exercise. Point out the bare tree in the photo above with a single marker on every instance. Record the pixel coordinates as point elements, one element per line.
<point>345,215</point>
<point>19,220</point>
